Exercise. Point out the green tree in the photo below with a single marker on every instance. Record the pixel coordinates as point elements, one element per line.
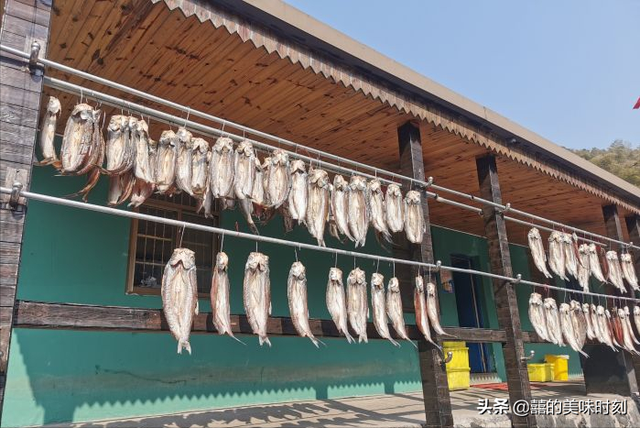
<point>620,158</point>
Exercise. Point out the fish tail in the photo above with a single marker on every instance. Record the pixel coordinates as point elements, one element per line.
<point>363,338</point>
<point>413,343</point>
<point>314,340</point>
<point>231,335</point>
<point>350,338</point>
<point>394,342</point>
<point>263,340</point>
<point>184,344</point>
<point>583,353</point>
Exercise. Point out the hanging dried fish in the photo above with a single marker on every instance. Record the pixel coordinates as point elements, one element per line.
<point>420,307</point>
<point>615,329</point>
<point>627,319</point>
<point>605,328</point>
<point>219,294</point>
<point>298,195</point>
<point>556,255</point>
<point>584,271</point>
<point>553,321</point>
<point>636,318</point>
<point>570,257</point>
<point>221,169</point>
<point>578,322</point>
<point>339,200</point>
<point>318,204</point>
<point>47,133</point>
<point>297,297</point>
<point>120,147</point>
<point>357,306</point>
<point>180,295</point>
<point>537,316</point>
<point>200,157</point>
<point>629,271</point>
<point>615,271</point>
<point>336,302</point>
<point>537,251</point>
<point>357,210</point>
<point>278,177</point>
<point>432,309</point>
<point>166,162</point>
<point>595,324</point>
<point>244,166</point>
<point>567,329</point>
<point>594,263</point>
<point>591,335</point>
<point>376,209</point>
<point>627,342</point>
<point>81,139</point>
<point>183,160</point>
<point>146,151</point>
<point>414,224</point>
<point>394,208</point>
<point>379,307</point>
<point>394,309</point>
<point>257,294</point>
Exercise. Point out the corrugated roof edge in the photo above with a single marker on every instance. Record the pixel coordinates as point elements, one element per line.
<point>284,18</point>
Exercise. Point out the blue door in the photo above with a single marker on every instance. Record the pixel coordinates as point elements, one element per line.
<point>468,292</point>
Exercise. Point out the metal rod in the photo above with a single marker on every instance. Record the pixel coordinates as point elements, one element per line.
<point>296,146</point>
<point>260,238</point>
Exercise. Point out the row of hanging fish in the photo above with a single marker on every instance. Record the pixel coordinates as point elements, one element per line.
<point>348,307</point>
<point>567,258</point>
<point>573,323</point>
<point>138,166</point>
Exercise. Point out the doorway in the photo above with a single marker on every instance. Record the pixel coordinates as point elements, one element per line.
<point>471,312</point>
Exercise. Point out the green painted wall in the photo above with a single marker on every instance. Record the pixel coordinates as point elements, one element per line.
<point>80,256</point>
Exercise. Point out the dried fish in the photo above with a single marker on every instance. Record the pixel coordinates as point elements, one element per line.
<point>537,251</point>
<point>257,192</point>
<point>584,270</point>
<point>567,329</point>
<point>357,306</point>
<point>120,147</point>
<point>278,178</point>
<point>318,204</point>
<point>394,309</point>
<point>615,271</point>
<point>180,295</point>
<point>339,200</point>
<point>183,160</point>
<point>420,306</point>
<point>595,324</point>
<point>594,263</point>
<point>47,133</point>
<point>166,162</point>
<point>379,307</point>
<point>636,318</point>
<point>120,188</point>
<point>591,335</point>
<point>81,139</point>
<point>553,321</point>
<point>578,322</point>
<point>627,342</point>
<point>431,299</point>
<point>245,170</point>
<point>358,210</point>
<point>221,168</point>
<point>604,327</point>
<point>145,163</point>
<point>627,319</point>
<point>556,255</point>
<point>376,209</point>
<point>394,208</point>
<point>615,330</point>
<point>570,258</point>
<point>414,224</point>
<point>629,271</point>
<point>200,157</point>
<point>219,294</point>
<point>257,294</point>
<point>336,302</point>
<point>298,195</point>
<point>297,297</point>
<point>537,316</point>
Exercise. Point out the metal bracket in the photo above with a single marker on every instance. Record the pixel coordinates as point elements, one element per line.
<point>518,279</point>
<point>445,360</point>
<point>34,67</point>
<point>14,180</point>
<point>531,355</point>
<point>506,208</point>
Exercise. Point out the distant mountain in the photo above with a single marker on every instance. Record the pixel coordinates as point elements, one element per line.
<point>621,158</point>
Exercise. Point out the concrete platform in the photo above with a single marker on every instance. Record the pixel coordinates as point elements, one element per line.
<point>397,410</point>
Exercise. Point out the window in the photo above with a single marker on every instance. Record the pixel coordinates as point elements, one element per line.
<point>151,243</point>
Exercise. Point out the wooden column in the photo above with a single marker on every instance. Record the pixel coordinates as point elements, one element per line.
<point>633,228</point>
<point>505,294</point>
<point>23,22</point>
<point>606,371</point>
<point>437,403</point>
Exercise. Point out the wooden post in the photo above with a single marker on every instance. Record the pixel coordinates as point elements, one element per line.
<point>633,228</point>
<point>505,294</point>
<point>435,388</point>
<point>606,371</point>
<point>23,23</point>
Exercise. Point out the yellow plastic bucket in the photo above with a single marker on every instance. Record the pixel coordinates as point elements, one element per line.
<point>560,366</point>
<point>540,372</point>
<point>458,378</point>
<point>460,358</point>
<point>458,371</point>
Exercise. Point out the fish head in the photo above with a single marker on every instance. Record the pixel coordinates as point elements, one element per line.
<point>534,233</point>
<point>419,284</point>
<point>394,285</point>
<point>535,299</point>
<point>266,163</point>
<point>358,183</point>
<point>223,145</point>
<point>412,197</point>
<point>222,261</point>
<point>377,281</point>
<point>636,310</point>
<point>612,255</point>
<point>600,310</point>
<point>564,308</point>
<point>298,271</point>
<point>132,123</point>
<point>583,249</point>
<point>319,178</point>
<point>167,139</point>
<point>116,123</point>
<point>393,190</point>
<point>298,166</point>
<point>431,289</point>
<point>53,106</point>
<point>566,238</point>
<point>153,146</point>
<point>183,256</point>
<point>593,308</point>
<point>142,126</point>
<point>245,148</point>
<point>585,308</point>
<point>200,146</point>
<point>185,137</point>
<point>621,314</point>
<point>83,111</point>
<point>279,158</point>
<point>607,313</point>
<point>592,248</point>
<point>626,310</point>
<point>374,186</point>
<point>551,303</point>
<point>339,183</point>
<point>625,257</point>
<point>335,274</point>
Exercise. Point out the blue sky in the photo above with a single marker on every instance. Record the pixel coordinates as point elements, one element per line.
<point>568,70</point>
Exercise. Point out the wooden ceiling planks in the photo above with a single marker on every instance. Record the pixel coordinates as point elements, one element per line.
<point>163,53</point>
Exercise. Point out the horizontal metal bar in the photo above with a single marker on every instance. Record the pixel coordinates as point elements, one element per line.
<point>296,146</point>
<point>260,238</point>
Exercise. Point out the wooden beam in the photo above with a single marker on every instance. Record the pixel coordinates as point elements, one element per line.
<point>435,387</point>
<point>505,294</point>
<point>23,22</point>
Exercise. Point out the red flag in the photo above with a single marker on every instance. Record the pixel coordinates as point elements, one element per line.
<point>637,106</point>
